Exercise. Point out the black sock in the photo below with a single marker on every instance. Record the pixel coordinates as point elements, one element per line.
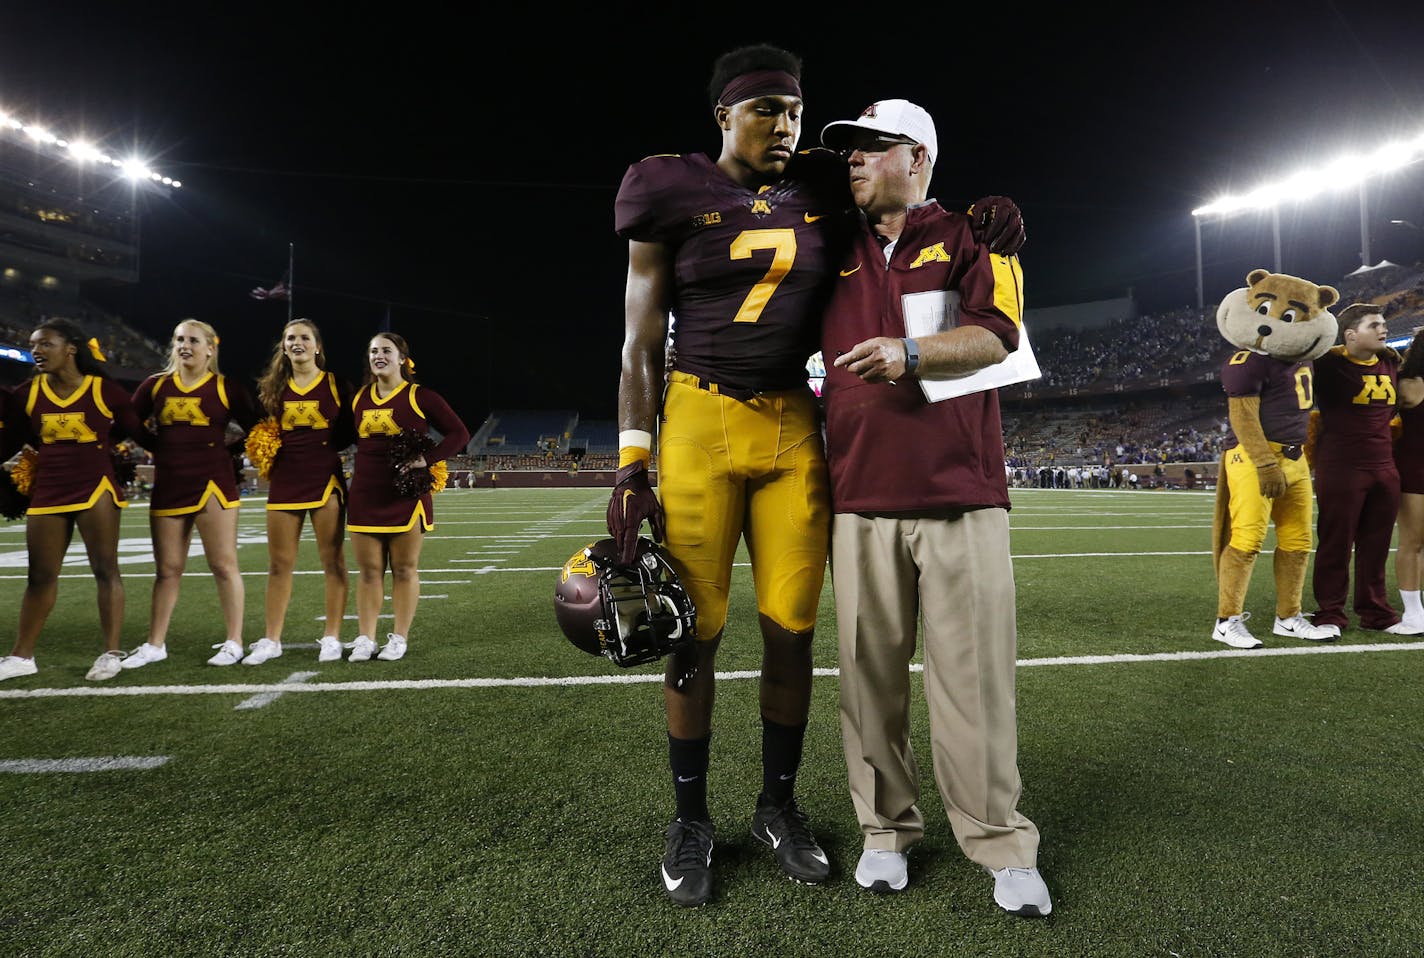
<point>688,758</point>
<point>780,759</point>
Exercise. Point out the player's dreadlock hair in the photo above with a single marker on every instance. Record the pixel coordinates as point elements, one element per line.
<point>759,56</point>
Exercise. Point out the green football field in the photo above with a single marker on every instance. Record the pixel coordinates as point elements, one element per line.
<point>498,792</point>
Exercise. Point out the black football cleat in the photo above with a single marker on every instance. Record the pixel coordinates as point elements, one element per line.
<point>786,829</point>
<point>687,862</point>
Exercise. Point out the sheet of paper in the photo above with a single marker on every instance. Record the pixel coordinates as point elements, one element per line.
<point>938,310</point>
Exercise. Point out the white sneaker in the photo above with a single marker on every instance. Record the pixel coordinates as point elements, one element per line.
<point>262,650</point>
<point>1299,627</point>
<point>144,654</point>
<point>1405,627</point>
<point>362,649</point>
<point>330,649</point>
<point>395,647</point>
<point>882,870</point>
<point>229,653</point>
<point>13,666</point>
<point>1234,633</point>
<point>106,666</point>
<point>1021,891</point>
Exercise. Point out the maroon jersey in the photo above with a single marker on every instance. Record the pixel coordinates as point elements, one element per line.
<point>750,266</point>
<point>192,461</point>
<point>315,424</point>
<point>1356,402</point>
<point>1286,392</point>
<point>75,438</point>
<point>889,449</point>
<point>1409,450</point>
<point>375,504</point>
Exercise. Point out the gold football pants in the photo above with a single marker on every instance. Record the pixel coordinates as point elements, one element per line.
<point>729,469</point>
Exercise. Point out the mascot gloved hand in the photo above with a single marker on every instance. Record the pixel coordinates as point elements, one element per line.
<point>1279,324</point>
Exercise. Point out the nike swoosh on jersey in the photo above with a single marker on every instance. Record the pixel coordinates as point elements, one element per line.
<point>668,882</point>
<point>812,219</point>
<point>847,272</point>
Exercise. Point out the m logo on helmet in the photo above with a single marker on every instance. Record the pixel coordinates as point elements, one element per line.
<point>629,614</point>
<point>579,564</point>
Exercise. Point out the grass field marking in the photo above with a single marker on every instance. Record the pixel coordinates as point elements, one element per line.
<point>264,699</point>
<point>40,766</point>
<point>648,678</point>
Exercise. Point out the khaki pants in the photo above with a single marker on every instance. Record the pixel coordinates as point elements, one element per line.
<point>954,577</point>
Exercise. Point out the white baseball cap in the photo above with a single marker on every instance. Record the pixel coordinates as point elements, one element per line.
<point>891,117</point>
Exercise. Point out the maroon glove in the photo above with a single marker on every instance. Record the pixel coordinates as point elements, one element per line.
<point>997,223</point>
<point>633,501</point>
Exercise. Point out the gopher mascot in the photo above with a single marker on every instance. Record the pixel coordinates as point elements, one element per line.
<point>1280,324</point>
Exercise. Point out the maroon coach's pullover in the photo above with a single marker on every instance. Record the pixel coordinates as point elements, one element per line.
<point>889,449</point>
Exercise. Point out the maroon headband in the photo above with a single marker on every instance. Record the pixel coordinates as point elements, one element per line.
<point>759,83</point>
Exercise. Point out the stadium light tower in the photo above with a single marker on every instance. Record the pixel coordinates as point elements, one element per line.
<point>1342,173</point>
<point>79,152</point>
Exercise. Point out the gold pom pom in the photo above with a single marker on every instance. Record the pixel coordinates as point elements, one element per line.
<point>263,443</point>
<point>439,474</point>
<point>22,473</point>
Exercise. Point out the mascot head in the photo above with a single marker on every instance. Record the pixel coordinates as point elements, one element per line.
<point>1282,316</point>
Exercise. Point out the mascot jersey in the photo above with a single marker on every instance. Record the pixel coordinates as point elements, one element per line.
<point>1285,390</point>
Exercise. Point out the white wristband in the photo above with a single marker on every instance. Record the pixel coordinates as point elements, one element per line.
<point>637,438</point>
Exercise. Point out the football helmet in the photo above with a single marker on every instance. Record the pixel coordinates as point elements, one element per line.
<point>629,614</point>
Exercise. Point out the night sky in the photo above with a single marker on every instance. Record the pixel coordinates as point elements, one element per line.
<point>460,174</point>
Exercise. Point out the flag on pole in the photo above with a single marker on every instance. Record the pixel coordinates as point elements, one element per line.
<point>279,291</point>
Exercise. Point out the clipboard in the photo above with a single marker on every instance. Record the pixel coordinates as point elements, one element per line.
<point>936,311</point>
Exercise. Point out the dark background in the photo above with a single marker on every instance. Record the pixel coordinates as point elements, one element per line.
<point>456,171</point>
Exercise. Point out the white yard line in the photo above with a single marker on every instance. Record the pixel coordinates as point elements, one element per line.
<point>263,699</point>
<point>32,766</point>
<point>642,678</point>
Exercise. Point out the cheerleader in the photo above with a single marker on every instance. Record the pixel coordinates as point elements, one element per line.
<point>194,483</point>
<point>72,415</point>
<point>387,527</point>
<point>311,413</point>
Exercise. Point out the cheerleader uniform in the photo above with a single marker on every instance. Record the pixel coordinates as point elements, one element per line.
<point>192,461</point>
<point>75,438</point>
<point>375,505</point>
<point>315,426</point>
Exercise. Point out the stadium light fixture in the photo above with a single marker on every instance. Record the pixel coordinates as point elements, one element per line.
<point>82,152</point>
<point>1348,170</point>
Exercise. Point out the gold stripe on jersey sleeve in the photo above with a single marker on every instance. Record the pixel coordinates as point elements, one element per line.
<point>1008,286</point>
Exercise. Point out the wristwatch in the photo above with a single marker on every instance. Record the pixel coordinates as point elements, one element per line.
<point>912,356</point>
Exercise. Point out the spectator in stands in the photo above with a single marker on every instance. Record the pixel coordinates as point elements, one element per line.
<point>389,513</point>
<point>1409,460</point>
<point>71,414</point>
<point>311,410</point>
<point>195,484</point>
<point>1356,482</point>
